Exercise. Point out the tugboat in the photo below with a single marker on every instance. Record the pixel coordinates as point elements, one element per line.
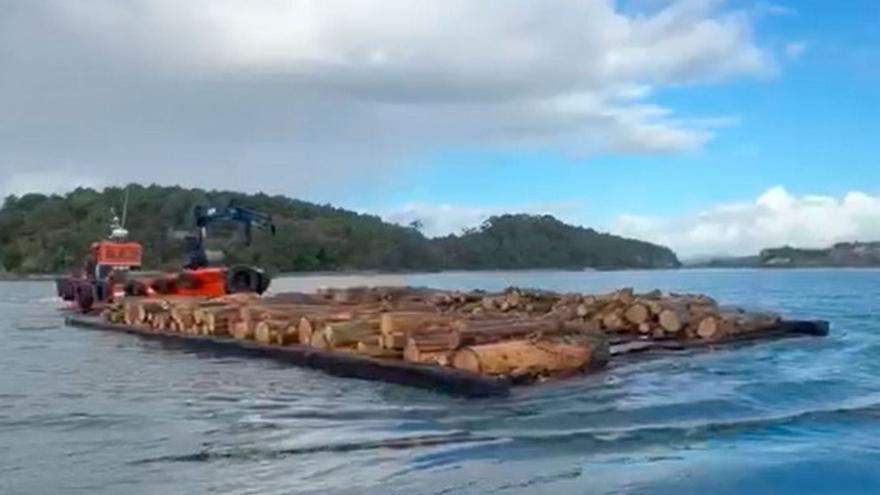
<point>112,267</point>
<point>104,271</point>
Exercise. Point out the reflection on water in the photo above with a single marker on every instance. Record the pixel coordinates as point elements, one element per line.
<point>91,412</point>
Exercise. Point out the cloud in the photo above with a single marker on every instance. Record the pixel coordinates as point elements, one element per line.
<point>443,219</point>
<point>775,218</point>
<point>795,49</point>
<point>294,95</point>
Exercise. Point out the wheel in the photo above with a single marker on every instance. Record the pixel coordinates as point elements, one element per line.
<point>246,279</point>
<point>84,298</point>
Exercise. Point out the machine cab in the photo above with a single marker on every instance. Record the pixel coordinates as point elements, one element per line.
<point>111,256</point>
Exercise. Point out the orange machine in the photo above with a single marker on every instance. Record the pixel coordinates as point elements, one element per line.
<point>107,265</point>
<point>111,266</point>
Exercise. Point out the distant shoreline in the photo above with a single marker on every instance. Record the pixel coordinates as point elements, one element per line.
<point>48,277</point>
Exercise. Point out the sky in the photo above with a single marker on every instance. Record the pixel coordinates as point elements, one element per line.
<point>714,127</point>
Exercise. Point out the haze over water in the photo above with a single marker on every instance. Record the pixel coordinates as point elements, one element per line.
<point>101,413</point>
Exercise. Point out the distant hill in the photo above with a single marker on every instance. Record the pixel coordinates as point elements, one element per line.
<point>40,234</point>
<point>513,241</point>
<point>844,254</point>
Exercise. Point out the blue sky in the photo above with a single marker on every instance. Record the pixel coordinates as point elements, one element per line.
<point>810,127</point>
<point>716,127</point>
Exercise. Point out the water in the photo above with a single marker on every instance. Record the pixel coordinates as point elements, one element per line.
<point>101,413</point>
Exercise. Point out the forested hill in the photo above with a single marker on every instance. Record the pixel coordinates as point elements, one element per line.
<point>40,233</point>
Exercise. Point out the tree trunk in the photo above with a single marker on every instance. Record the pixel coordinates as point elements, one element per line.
<point>349,333</point>
<point>267,331</point>
<point>673,320</point>
<point>474,333</point>
<point>637,314</point>
<point>403,322</point>
<point>426,349</point>
<point>518,357</point>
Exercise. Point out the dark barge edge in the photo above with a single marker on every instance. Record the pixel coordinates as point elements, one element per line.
<point>344,364</point>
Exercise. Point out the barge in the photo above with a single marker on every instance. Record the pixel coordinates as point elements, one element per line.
<point>428,361</point>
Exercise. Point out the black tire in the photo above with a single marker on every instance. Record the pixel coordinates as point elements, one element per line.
<point>85,298</point>
<point>246,279</point>
<point>135,288</point>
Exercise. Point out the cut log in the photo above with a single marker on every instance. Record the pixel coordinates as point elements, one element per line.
<point>637,314</point>
<point>518,357</point>
<point>288,336</point>
<point>267,331</point>
<point>427,349</point>
<point>146,307</point>
<point>483,332</point>
<point>672,320</point>
<point>708,328</point>
<point>396,341</point>
<point>614,321</point>
<point>241,331</point>
<point>378,352</point>
<point>318,341</point>
<point>349,333</point>
<point>403,322</point>
<point>312,324</point>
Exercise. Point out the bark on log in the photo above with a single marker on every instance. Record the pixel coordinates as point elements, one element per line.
<point>349,333</point>
<point>474,333</point>
<point>403,322</point>
<point>426,349</point>
<point>518,357</point>
<point>396,341</point>
<point>378,352</point>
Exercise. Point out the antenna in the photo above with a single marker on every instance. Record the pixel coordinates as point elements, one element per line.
<point>125,207</point>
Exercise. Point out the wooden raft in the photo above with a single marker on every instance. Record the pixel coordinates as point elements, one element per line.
<point>442,379</point>
<point>344,364</point>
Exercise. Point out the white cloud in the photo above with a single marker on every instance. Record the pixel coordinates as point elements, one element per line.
<point>266,90</point>
<point>442,219</point>
<point>775,218</point>
<point>795,49</point>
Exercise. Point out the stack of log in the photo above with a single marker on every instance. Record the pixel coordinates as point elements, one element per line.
<point>512,333</point>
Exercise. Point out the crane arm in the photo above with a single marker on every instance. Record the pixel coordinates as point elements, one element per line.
<point>204,216</point>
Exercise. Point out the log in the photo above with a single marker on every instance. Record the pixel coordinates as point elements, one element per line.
<point>709,328</point>
<point>318,341</point>
<point>311,324</point>
<point>396,341</point>
<point>267,331</point>
<point>349,333</point>
<point>614,321</point>
<point>426,349</point>
<point>524,357</point>
<point>304,330</point>
<point>241,331</point>
<point>146,307</point>
<point>474,333</point>
<point>637,314</point>
<point>378,352</point>
<point>672,320</point>
<point>403,322</point>
<point>288,336</point>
